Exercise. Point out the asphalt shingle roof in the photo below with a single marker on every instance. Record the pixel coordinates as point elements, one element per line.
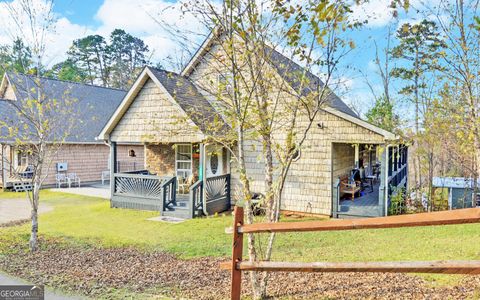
<point>197,107</point>
<point>92,105</point>
<point>292,72</point>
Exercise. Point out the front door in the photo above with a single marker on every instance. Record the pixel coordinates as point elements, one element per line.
<point>214,160</point>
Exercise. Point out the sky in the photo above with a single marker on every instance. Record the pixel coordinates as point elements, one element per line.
<point>78,18</point>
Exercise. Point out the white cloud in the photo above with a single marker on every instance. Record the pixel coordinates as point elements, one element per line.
<point>376,12</point>
<point>155,21</point>
<point>135,17</point>
<point>57,38</point>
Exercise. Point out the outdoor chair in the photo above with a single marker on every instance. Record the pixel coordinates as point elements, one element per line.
<point>105,176</point>
<point>348,187</point>
<point>73,178</point>
<point>184,184</point>
<point>369,178</point>
<point>61,179</point>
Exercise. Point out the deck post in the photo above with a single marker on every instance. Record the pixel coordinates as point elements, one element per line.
<point>382,191</point>
<point>237,254</point>
<point>335,197</point>
<point>4,168</point>
<point>113,168</point>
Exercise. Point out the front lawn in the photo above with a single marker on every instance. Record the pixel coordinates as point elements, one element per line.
<point>88,222</point>
<point>91,220</point>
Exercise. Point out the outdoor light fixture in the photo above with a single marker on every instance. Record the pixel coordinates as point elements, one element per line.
<point>320,125</point>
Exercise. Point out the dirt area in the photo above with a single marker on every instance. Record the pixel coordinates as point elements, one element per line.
<point>97,272</point>
<point>14,210</point>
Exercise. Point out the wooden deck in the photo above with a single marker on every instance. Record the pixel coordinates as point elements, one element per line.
<point>363,206</point>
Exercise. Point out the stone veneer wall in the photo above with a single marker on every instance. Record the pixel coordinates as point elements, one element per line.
<point>160,159</point>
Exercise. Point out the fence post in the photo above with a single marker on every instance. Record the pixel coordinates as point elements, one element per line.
<point>237,254</point>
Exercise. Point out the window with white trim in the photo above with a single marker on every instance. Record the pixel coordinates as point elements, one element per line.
<point>183,160</point>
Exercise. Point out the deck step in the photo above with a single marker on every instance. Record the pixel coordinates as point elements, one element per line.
<point>179,213</point>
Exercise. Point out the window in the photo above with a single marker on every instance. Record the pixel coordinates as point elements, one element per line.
<point>183,160</point>
<point>22,158</point>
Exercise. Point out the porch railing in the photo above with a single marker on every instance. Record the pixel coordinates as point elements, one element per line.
<point>196,198</point>
<point>169,189</point>
<point>217,193</point>
<point>145,192</point>
<point>336,198</point>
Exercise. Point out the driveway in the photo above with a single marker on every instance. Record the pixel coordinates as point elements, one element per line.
<point>18,209</point>
<point>49,295</point>
<point>94,190</point>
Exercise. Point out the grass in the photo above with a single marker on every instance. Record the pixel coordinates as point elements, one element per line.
<point>89,220</point>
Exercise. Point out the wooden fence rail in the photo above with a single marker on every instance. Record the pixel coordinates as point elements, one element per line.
<point>237,266</point>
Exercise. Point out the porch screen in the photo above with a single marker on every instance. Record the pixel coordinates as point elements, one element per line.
<point>183,161</point>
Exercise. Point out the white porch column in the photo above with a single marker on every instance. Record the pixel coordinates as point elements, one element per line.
<point>201,174</point>
<point>357,155</point>
<point>113,166</point>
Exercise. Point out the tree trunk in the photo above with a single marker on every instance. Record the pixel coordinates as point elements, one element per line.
<point>34,214</point>
<point>34,233</point>
<point>246,194</point>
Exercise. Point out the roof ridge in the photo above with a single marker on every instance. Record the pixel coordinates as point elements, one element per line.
<point>69,81</point>
<point>166,71</point>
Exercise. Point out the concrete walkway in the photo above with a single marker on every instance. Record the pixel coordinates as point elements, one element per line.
<point>94,190</point>
<point>49,295</point>
<point>18,209</point>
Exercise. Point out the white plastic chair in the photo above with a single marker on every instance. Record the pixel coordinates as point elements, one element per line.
<point>73,178</point>
<point>105,176</point>
<point>61,179</point>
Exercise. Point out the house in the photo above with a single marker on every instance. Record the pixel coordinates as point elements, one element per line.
<point>457,192</point>
<point>81,153</point>
<point>341,141</point>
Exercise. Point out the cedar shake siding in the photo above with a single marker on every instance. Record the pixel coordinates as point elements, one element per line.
<point>89,160</point>
<point>308,188</point>
<point>152,116</point>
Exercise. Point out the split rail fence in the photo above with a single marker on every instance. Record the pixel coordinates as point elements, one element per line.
<point>237,266</point>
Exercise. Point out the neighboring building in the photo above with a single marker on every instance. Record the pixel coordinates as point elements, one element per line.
<point>150,115</point>
<point>81,154</point>
<point>458,192</point>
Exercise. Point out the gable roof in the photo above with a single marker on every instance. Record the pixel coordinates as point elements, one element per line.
<point>197,107</point>
<point>289,70</point>
<point>93,104</point>
<point>180,90</point>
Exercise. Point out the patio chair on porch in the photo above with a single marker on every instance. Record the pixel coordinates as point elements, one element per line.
<point>368,179</point>
<point>348,187</point>
<point>184,184</point>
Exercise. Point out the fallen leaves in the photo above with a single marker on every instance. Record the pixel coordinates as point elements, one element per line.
<point>99,272</point>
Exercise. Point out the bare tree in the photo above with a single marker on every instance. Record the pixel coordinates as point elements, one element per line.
<point>270,102</point>
<point>39,121</point>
